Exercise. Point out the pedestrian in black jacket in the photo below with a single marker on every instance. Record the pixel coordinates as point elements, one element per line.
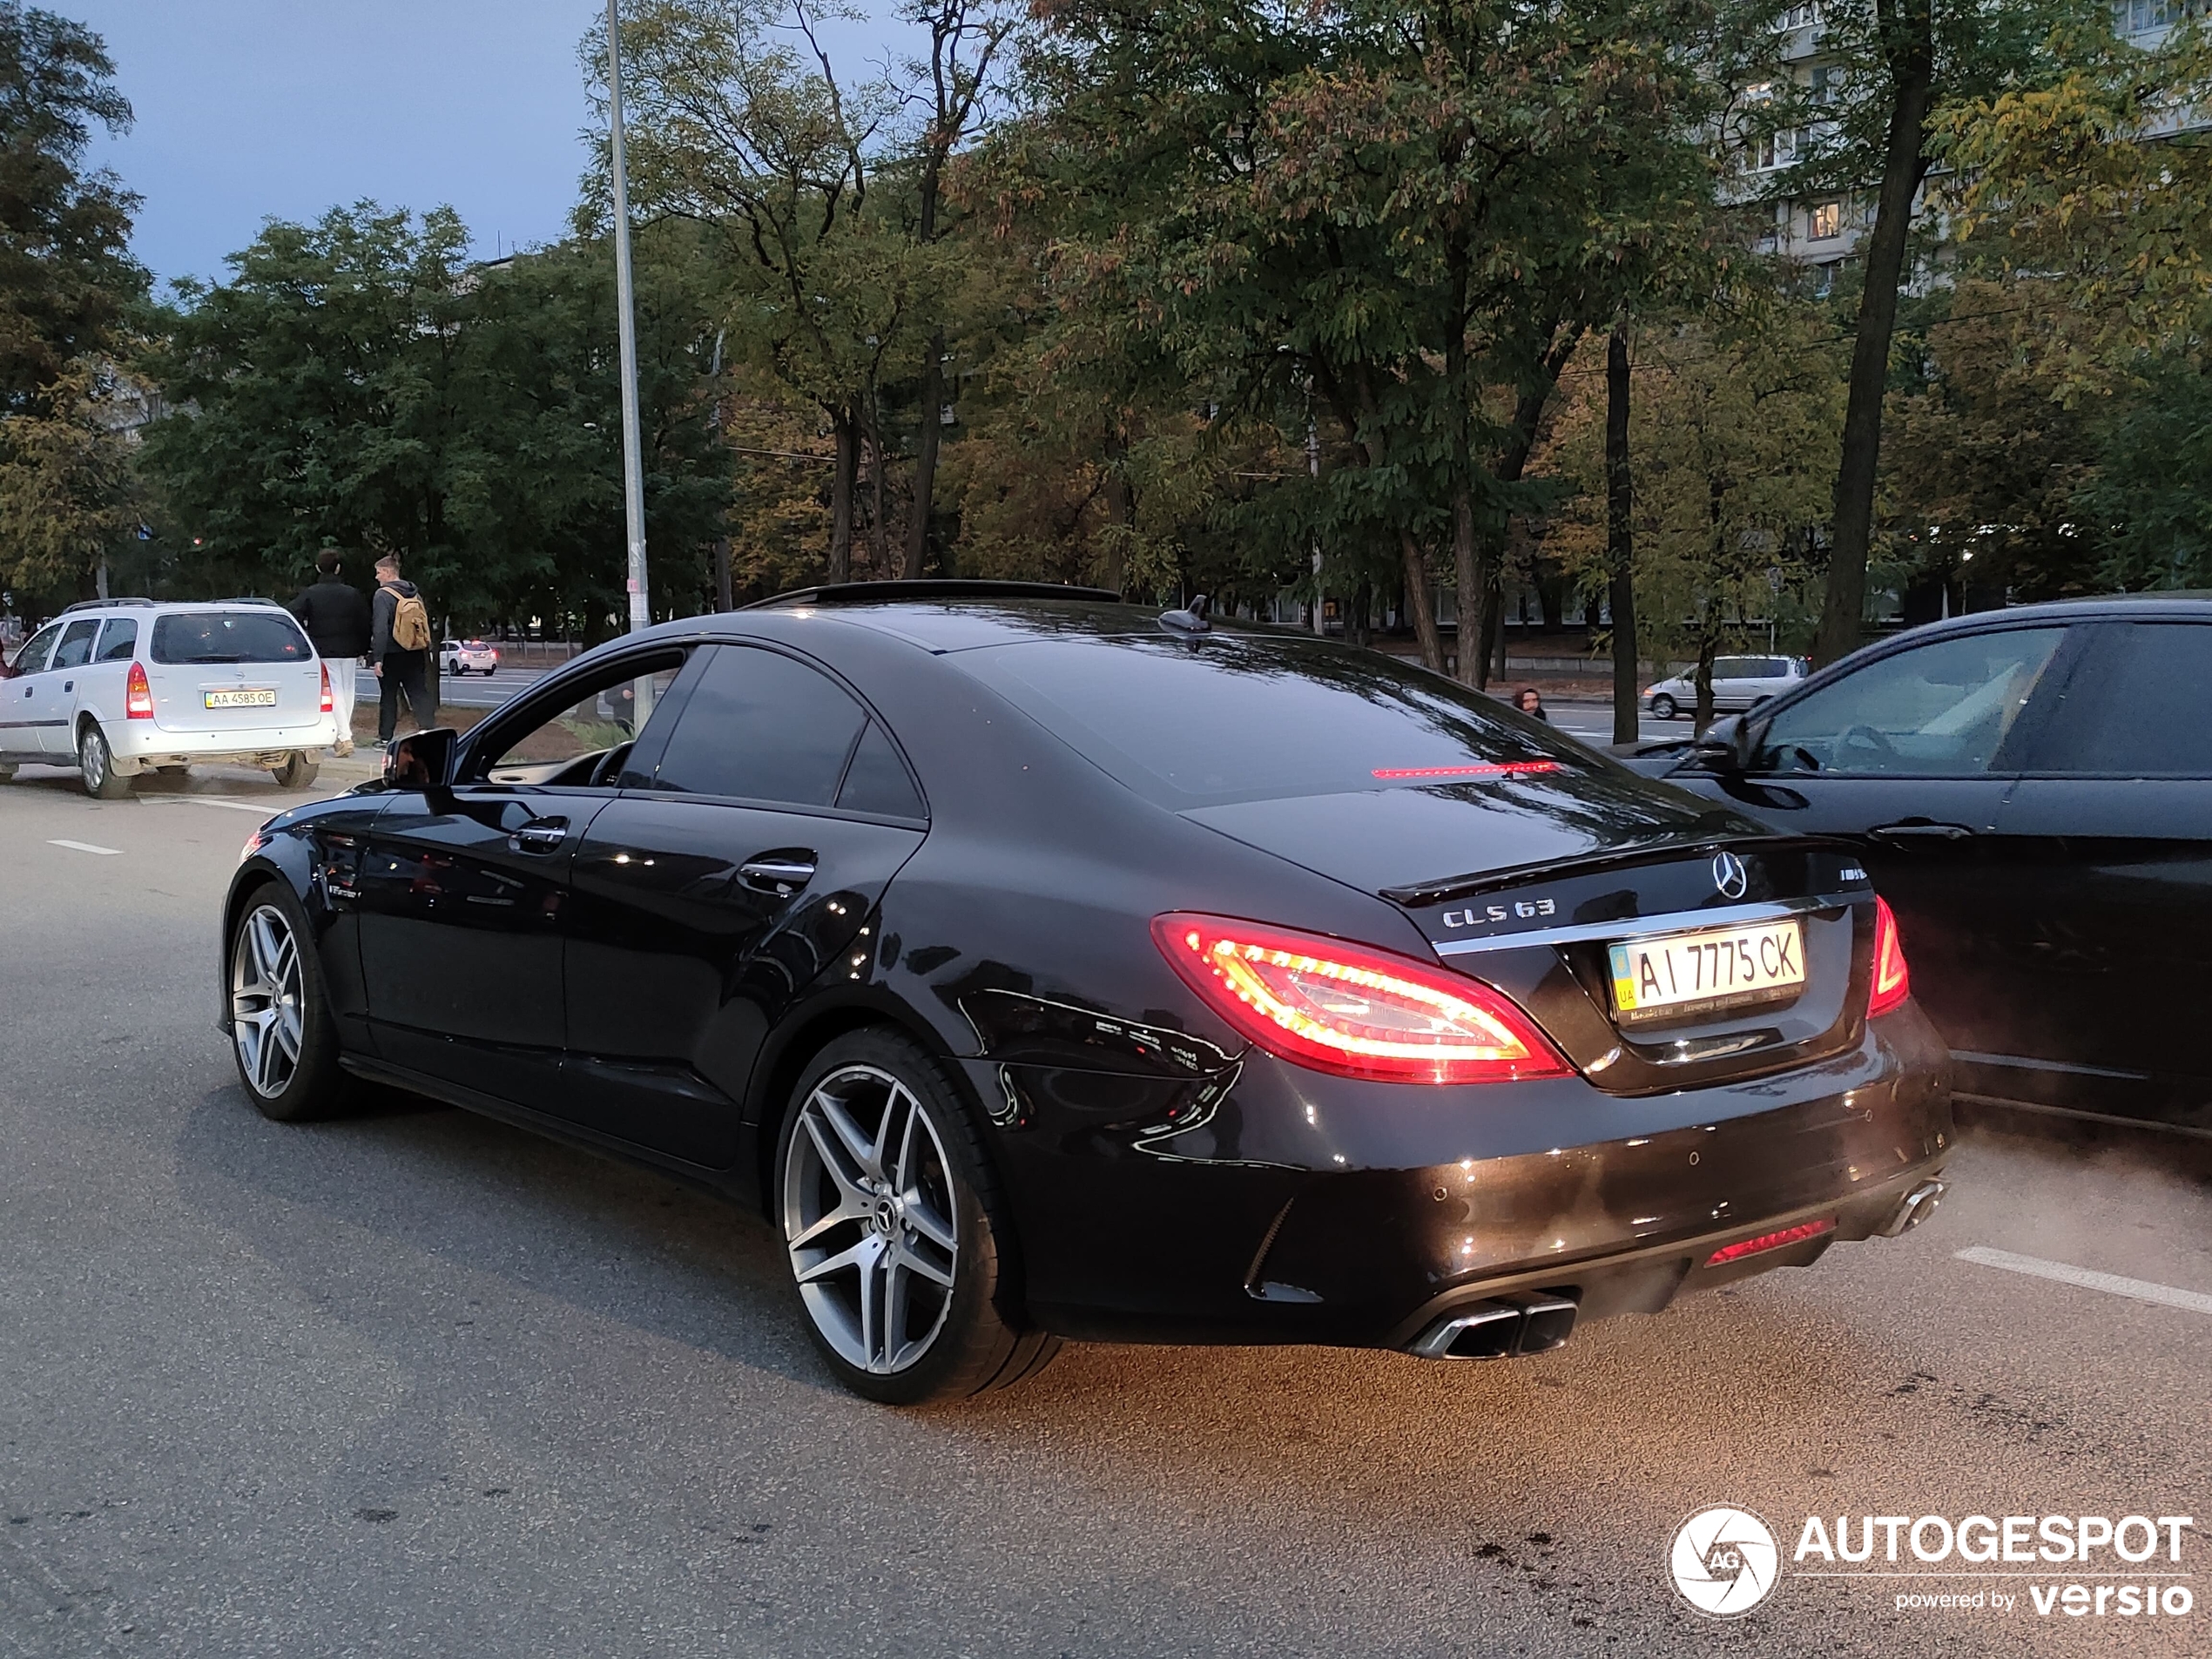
<point>335,616</point>
<point>399,650</point>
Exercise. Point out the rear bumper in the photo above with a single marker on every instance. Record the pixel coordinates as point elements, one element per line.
<point>136,745</point>
<point>1297,1208</point>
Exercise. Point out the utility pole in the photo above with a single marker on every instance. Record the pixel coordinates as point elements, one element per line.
<point>633,465</point>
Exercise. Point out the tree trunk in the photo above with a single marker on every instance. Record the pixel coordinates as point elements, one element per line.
<point>1620,544</point>
<point>1468,573</point>
<point>933,401</point>
<point>842,491</point>
<point>724,598</point>
<point>1120,512</point>
<point>1419,603</point>
<point>1908,44</point>
<point>879,530</point>
<point>1702,716</point>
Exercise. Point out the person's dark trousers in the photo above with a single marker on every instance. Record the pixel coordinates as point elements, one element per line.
<point>405,671</point>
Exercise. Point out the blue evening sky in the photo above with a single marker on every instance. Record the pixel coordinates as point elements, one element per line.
<point>249,109</point>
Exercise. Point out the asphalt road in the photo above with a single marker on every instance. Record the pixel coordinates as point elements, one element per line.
<point>415,1383</point>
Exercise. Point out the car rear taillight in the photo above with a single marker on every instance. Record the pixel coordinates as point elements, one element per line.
<point>1359,1013</point>
<point>1892,983</point>
<point>138,695</point>
<point>327,705</point>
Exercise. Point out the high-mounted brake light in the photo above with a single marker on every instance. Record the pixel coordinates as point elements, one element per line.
<point>327,706</point>
<point>1892,983</point>
<point>1359,1013</point>
<point>1499,769</point>
<point>138,695</point>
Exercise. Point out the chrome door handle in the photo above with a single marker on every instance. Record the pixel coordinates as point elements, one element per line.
<point>541,838</point>
<point>1921,831</point>
<point>782,877</point>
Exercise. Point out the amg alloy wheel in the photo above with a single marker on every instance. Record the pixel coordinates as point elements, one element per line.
<point>280,1031</point>
<point>887,1211</point>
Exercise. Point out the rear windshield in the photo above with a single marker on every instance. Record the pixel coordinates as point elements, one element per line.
<point>1232,717</point>
<point>229,637</point>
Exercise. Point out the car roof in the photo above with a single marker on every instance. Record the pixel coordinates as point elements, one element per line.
<point>950,616</point>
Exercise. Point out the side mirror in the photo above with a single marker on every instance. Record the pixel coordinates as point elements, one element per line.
<point>420,759</point>
<point>1728,746</point>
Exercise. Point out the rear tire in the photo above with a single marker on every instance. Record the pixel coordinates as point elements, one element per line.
<point>298,771</point>
<point>7,772</point>
<point>96,765</point>
<point>282,1036</point>
<point>1663,708</point>
<point>898,1240</point>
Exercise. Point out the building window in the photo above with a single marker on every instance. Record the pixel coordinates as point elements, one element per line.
<point>2144,17</point>
<point>1800,16</point>
<point>1771,149</point>
<point>1827,83</point>
<point>1827,222</point>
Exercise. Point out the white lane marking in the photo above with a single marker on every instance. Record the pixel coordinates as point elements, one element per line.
<point>86,846</point>
<point>2142,1289</point>
<point>234,806</point>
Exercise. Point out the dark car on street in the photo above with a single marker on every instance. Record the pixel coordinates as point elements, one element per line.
<point>2032,789</point>
<point>1045,968</point>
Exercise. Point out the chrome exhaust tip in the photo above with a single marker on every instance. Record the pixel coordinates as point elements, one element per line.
<point>1527,1323</point>
<point>1914,1208</point>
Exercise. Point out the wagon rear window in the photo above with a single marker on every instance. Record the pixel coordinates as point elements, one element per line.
<point>228,637</point>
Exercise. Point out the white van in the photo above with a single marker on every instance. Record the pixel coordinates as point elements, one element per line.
<point>120,687</point>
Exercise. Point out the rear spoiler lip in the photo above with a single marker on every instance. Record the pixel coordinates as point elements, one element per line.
<point>1631,857</point>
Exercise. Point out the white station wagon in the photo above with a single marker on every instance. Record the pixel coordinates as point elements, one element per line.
<point>121,686</point>
<point>1738,683</point>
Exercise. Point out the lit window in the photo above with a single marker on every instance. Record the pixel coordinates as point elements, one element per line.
<point>1827,222</point>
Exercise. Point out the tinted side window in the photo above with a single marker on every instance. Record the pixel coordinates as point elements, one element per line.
<point>31,659</point>
<point>1735,668</point>
<point>75,649</point>
<point>2141,706</point>
<point>120,641</point>
<point>1941,710</point>
<point>876,781</point>
<point>759,727</point>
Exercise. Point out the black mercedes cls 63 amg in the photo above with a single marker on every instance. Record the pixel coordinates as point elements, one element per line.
<point>1045,968</point>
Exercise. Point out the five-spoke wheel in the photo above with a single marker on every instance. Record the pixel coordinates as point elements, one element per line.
<point>890,1218</point>
<point>868,1218</point>
<point>280,1029</point>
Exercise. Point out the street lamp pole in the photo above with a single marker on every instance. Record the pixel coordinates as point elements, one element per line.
<point>633,466</point>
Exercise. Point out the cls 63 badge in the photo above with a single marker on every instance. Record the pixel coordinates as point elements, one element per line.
<point>1519,909</point>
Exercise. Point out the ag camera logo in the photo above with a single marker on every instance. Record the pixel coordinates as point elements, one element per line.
<point>1725,1561</point>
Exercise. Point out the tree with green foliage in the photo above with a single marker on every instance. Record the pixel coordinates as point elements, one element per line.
<point>67,285</point>
<point>1735,435</point>
<point>1401,220</point>
<point>358,383</point>
<point>1898,70</point>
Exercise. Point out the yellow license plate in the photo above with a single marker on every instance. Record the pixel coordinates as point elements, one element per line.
<point>1678,975</point>
<point>251,696</point>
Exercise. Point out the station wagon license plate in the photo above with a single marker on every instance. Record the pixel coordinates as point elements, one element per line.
<point>250,697</point>
<point>1677,974</point>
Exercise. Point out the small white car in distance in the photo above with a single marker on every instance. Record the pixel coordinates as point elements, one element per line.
<point>118,687</point>
<point>1738,683</point>
<point>468,656</point>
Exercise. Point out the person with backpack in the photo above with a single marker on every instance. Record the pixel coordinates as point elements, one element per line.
<point>335,616</point>
<point>399,650</point>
